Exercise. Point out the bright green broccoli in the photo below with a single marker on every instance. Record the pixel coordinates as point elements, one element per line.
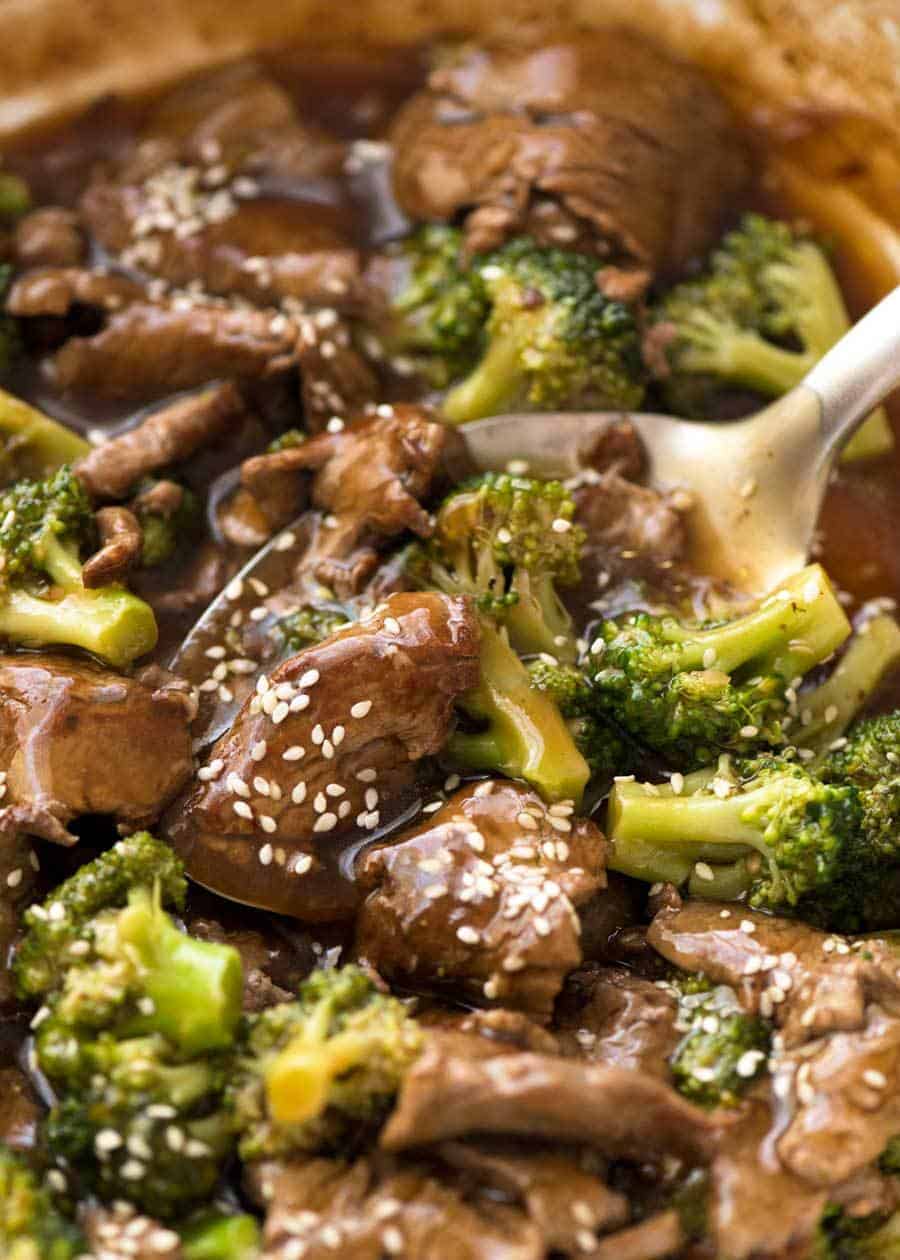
<point>30,1226</point>
<point>15,196</point>
<point>319,1071</point>
<point>768,830</point>
<point>512,544</point>
<point>603,747</point>
<point>215,1236</point>
<point>552,340</point>
<point>440,307</point>
<point>31,444</point>
<point>723,1049</point>
<point>764,312</point>
<point>144,1125</point>
<point>497,539</point>
<point>165,532</point>
<point>692,693</point>
<point>44,527</point>
<point>844,1237</point>
<point>310,625</point>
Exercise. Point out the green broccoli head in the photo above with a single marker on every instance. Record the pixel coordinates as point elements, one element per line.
<point>692,693</point>
<point>552,339</point>
<point>214,1235</point>
<point>318,1071</point>
<point>309,625</point>
<point>165,533</point>
<point>601,744</point>
<point>764,311</point>
<point>144,1125</point>
<point>722,1050</point>
<point>511,543</point>
<point>845,1237</point>
<point>30,1226</point>
<point>767,830</point>
<point>44,528</point>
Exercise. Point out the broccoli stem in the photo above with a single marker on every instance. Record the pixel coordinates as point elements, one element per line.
<point>526,737</point>
<point>828,710</point>
<point>110,622</point>
<point>194,986</point>
<point>490,387</point>
<point>538,620</point>
<point>217,1237</point>
<point>652,840</point>
<point>33,445</point>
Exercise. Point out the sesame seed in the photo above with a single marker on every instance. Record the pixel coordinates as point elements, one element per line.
<point>236,784</point>
<point>747,926</point>
<point>318,734</point>
<point>265,855</point>
<point>309,678</point>
<point>261,785</point>
<point>677,783</point>
<point>14,878</point>
<point>748,1063</point>
<point>326,822</point>
<point>709,658</point>
<point>561,526</point>
<point>526,821</point>
<point>280,712</point>
<point>876,1079</point>
<point>294,753</point>
<point>468,935</point>
<point>748,732</point>
<point>703,871</point>
<point>337,735</point>
<point>299,703</point>
<point>392,625</point>
<point>327,749</point>
<point>360,709</point>
<point>367,776</point>
<point>392,1240</point>
<point>268,823</point>
<point>259,750</point>
<point>298,793</point>
<point>106,1141</point>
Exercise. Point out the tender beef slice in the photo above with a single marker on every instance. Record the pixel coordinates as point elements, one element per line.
<point>20,1110</point>
<point>605,145</point>
<point>502,1030</point>
<point>76,739</point>
<point>377,1207</point>
<point>610,1015</point>
<point>455,1089</point>
<point>626,521</point>
<point>476,900</point>
<point>55,291</point>
<point>369,480</point>
<point>152,349</point>
<point>327,744</point>
<point>49,237</point>
<point>335,379</point>
<point>120,1231</point>
<point>562,1194</point>
<point>167,436</point>
<point>655,1238</point>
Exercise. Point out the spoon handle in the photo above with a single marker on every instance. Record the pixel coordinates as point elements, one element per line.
<point>857,373</point>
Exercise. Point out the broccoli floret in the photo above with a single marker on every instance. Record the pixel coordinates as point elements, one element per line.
<point>605,750</point>
<point>215,1236</point>
<point>495,541</point>
<point>440,307</point>
<point>15,197</point>
<point>768,829</point>
<point>31,444</point>
<point>285,441</point>
<point>164,534</point>
<point>762,314</point>
<point>44,525</point>
<point>319,1071</point>
<point>66,916</point>
<point>144,1125</point>
<point>309,625</point>
<point>691,693</point>
<point>552,340</point>
<point>723,1049</point>
<point>826,711</point>
<point>511,543</point>
<point>844,1237</point>
<point>30,1226</point>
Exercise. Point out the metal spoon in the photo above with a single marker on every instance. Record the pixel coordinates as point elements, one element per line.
<point>758,483</point>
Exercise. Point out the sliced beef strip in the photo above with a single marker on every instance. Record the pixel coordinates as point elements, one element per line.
<point>605,145</point>
<point>630,528</point>
<point>274,962</point>
<point>20,1110</point>
<point>455,1090</point>
<point>167,436</point>
<point>378,1207</point>
<point>120,1231</point>
<point>655,1238</point>
<point>327,744</point>
<point>610,1015</point>
<point>49,237</point>
<point>77,739</point>
<point>476,900</point>
<point>369,482</point>
<point>55,291</point>
<point>121,543</point>
<point>566,1198</point>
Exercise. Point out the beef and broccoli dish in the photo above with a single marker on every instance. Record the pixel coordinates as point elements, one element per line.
<point>472,876</point>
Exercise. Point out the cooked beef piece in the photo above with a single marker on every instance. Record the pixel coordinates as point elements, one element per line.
<point>655,1238</point>
<point>566,1198</point>
<point>604,145</point>
<point>56,291</point>
<point>609,916</point>
<point>381,1207</point>
<point>49,237</point>
<point>456,1089</point>
<point>121,542</point>
<point>274,962</point>
<point>617,449</point>
<point>165,437</point>
<point>610,1015</point>
<point>335,380</point>
<point>370,478</point>
<point>476,900</point>
<point>326,745</point>
<point>626,521</point>
<point>503,1030</point>
<point>152,349</point>
<point>120,1231</point>
<point>77,739</point>
<point>20,1110</point>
